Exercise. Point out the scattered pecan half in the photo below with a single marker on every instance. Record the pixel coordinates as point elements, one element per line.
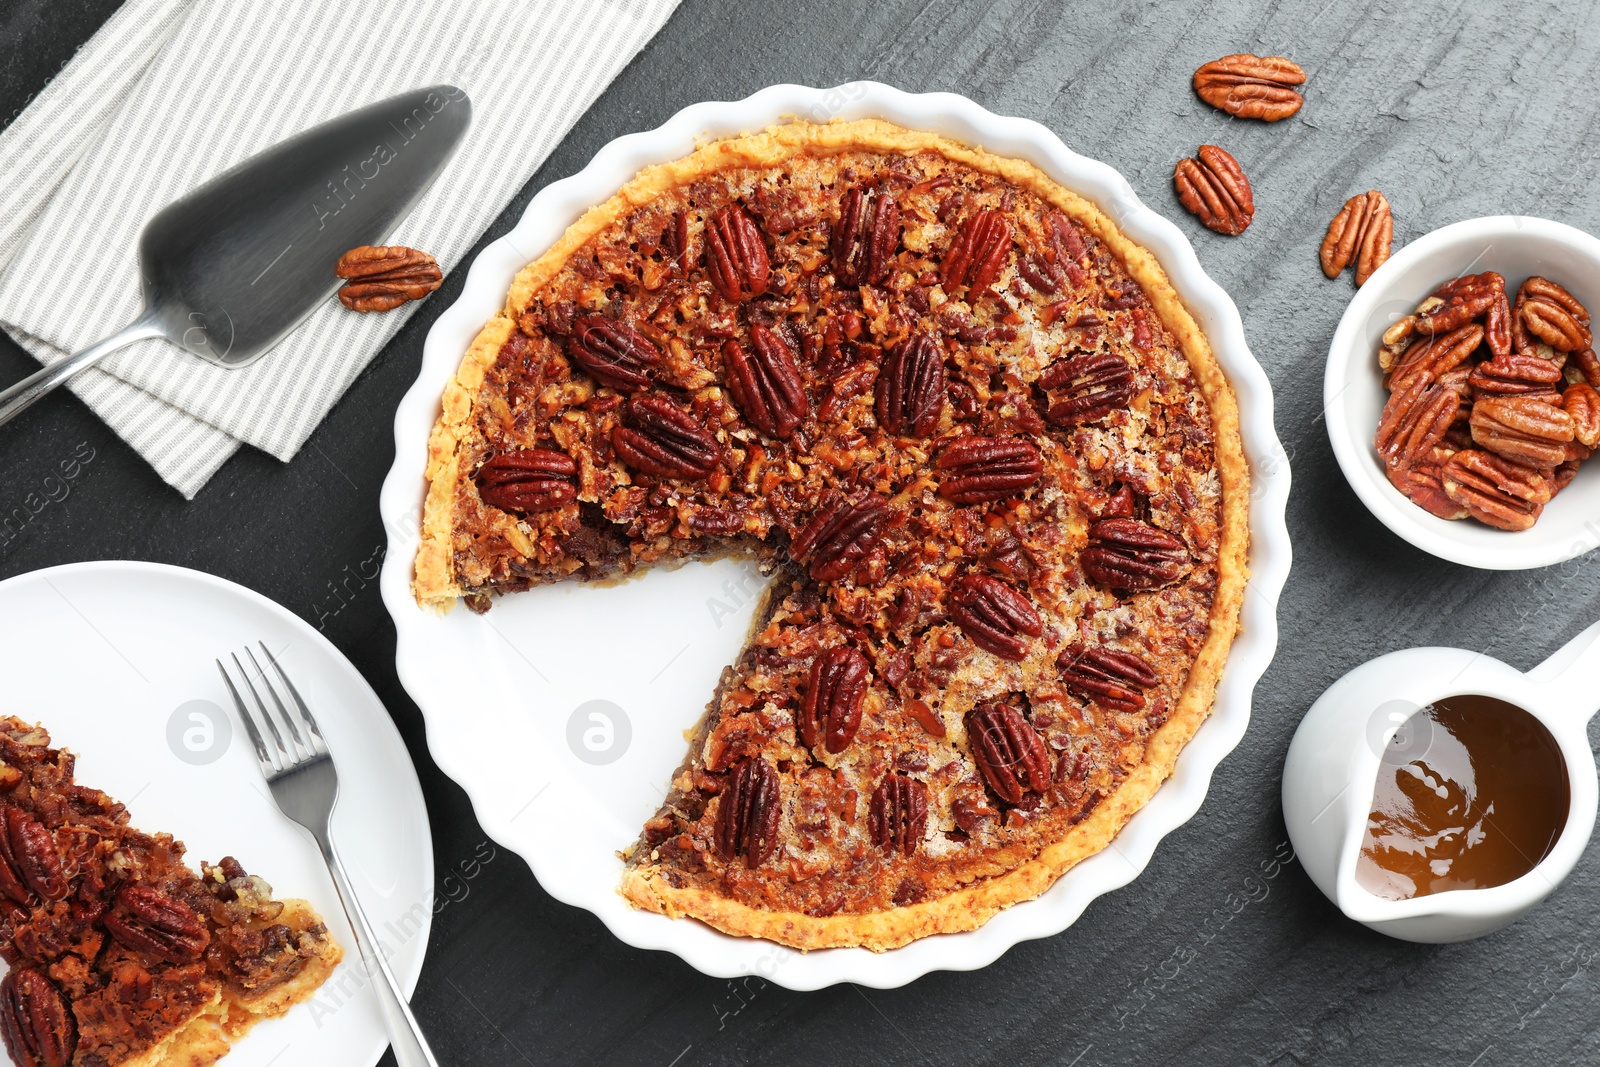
<point>866,237</point>
<point>995,616</point>
<point>910,389</point>
<point>1009,752</point>
<point>736,255</point>
<point>1362,232</point>
<point>1524,429</point>
<point>1251,87</point>
<point>981,469</point>
<point>1494,490</point>
<point>831,710</point>
<point>1415,419</point>
<point>1550,314</point>
<point>30,866</point>
<point>747,818</point>
<point>382,278</point>
<point>1087,387</point>
<point>841,532</point>
<point>765,382</point>
<point>1131,555</point>
<point>1112,678</point>
<point>37,1024</point>
<point>978,253</point>
<point>661,439</point>
<point>1582,404</point>
<point>612,352</point>
<point>898,814</point>
<point>1213,188</point>
<point>528,480</point>
<point>147,920</point>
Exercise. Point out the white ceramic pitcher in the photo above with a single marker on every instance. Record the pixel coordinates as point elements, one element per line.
<point>1333,763</point>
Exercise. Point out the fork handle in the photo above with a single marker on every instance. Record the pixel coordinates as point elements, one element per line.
<point>410,1047</point>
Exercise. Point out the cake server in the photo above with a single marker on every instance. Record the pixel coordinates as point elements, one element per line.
<point>230,268</point>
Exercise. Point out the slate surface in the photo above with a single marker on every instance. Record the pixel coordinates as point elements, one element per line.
<point>1217,954</point>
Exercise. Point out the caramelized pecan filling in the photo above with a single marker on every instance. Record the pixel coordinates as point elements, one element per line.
<point>948,421</point>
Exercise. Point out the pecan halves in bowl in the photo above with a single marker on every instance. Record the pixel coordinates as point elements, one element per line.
<point>1494,490</point>
<point>382,278</point>
<point>1515,374</point>
<point>1432,359</point>
<point>1362,232</point>
<point>1415,419</point>
<point>1582,404</point>
<point>1524,429</point>
<point>1213,188</point>
<point>1251,87</point>
<point>1546,312</point>
<point>1423,485</point>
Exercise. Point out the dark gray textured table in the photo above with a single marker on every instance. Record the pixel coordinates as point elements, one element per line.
<point>1453,109</point>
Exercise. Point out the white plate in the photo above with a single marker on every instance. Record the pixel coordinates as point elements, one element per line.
<point>115,659</point>
<point>523,703</point>
<point>1353,394</point>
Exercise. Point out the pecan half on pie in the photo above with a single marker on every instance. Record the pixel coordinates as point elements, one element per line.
<point>978,442</point>
<point>119,953</point>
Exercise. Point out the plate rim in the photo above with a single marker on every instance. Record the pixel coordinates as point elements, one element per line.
<point>410,976</point>
<point>483,295</point>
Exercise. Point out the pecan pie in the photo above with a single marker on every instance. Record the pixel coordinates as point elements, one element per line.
<point>119,953</point>
<point>983,450</point>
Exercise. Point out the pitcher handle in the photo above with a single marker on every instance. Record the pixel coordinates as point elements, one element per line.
<point>1574,673</point>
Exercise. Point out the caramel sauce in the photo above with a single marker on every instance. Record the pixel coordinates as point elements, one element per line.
<point>1472,792</point>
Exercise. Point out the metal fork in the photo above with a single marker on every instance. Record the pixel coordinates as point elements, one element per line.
<point>300,774</point>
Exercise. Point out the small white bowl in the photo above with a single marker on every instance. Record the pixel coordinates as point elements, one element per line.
<point>1353,394</point>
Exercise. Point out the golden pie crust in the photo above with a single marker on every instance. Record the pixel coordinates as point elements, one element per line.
<point>1216,583</point>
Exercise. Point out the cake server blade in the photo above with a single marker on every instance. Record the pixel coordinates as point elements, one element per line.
<point>230,268</point>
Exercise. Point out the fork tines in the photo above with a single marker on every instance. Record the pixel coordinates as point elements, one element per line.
<point>296,740</point>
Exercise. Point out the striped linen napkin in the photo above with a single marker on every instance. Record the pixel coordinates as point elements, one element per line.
<point>172,92</point>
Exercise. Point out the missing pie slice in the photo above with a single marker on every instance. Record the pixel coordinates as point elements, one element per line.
<point>119,954</point>
<point>977,440</point>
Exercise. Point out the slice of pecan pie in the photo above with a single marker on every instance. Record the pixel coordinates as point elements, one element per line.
<point>119,953</point>
<point>978,441</point>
